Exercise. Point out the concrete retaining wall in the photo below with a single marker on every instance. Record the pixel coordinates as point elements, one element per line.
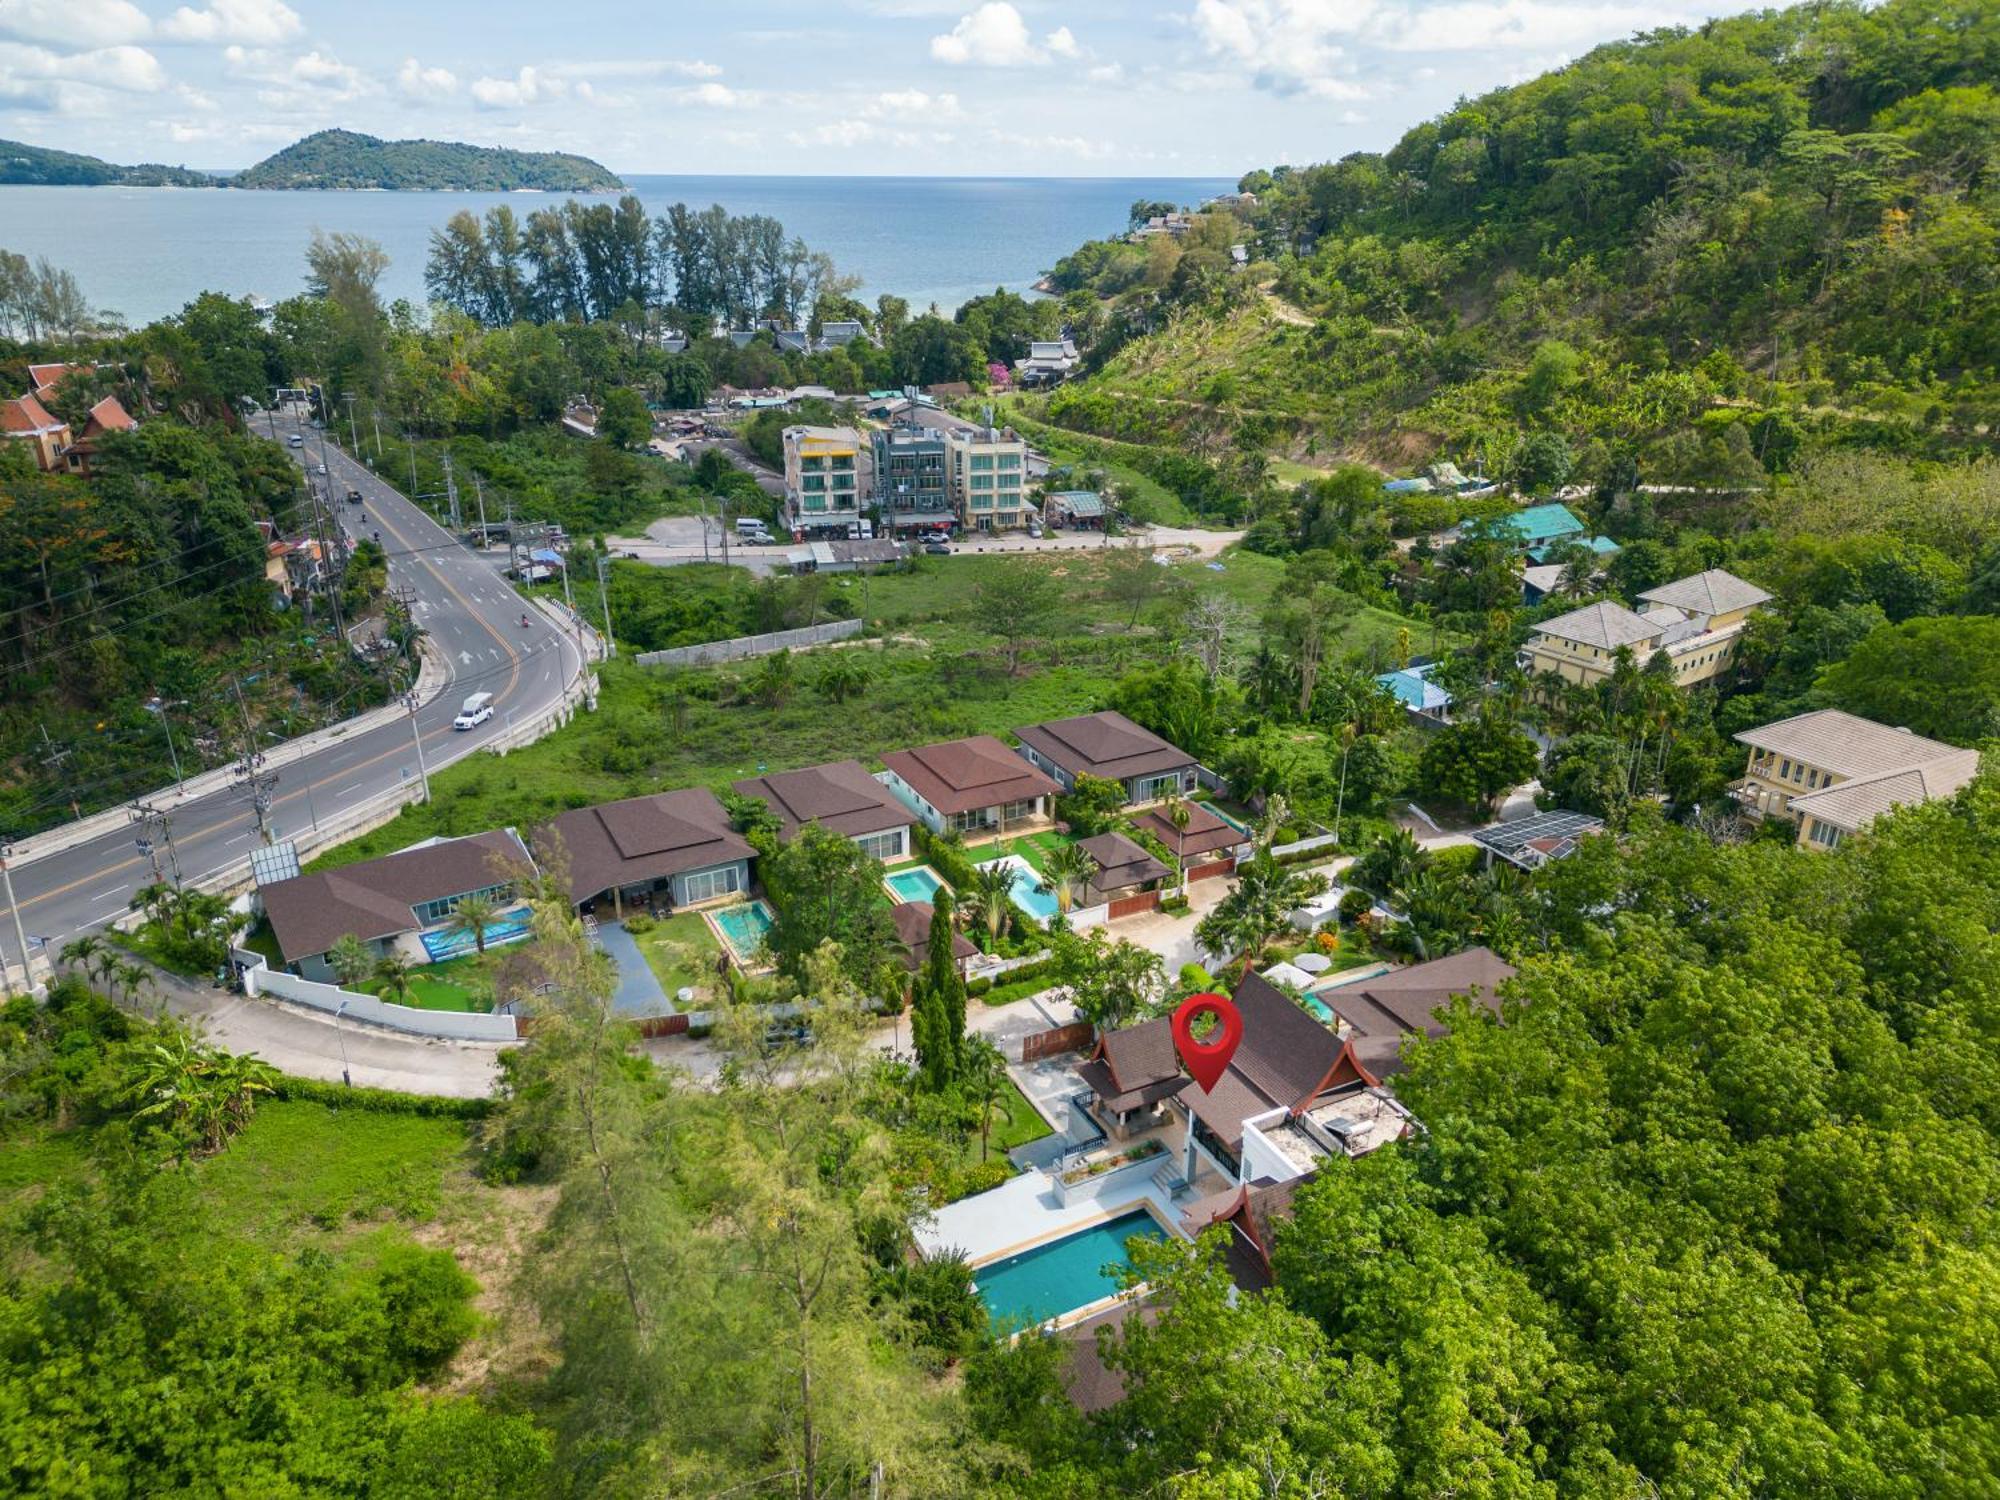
<point>746,646</point>
<point>260,979</point>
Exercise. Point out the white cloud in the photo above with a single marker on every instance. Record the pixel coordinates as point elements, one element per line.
<point>1288,46</point>
<point>127,70</point>
<point>1083,148</point>
<point>420,82</point>
<point>1107,73</point>
<point>710,96</point>
<point>845,133</point>
<point>1490,25</point>
<point>914,104</point>
<point>75,23</point>
<point>995,36</point>
<point>259,22</point>
<point>528,86</point>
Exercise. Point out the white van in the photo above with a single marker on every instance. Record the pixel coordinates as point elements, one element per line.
<point>752,526</point>
<point>475,711</point>
<point>296,441</point>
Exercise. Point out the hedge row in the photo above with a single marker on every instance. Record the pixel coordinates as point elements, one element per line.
<point>380,1101</point>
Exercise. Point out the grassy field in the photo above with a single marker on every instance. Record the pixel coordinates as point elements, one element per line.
<point>1035,848</point>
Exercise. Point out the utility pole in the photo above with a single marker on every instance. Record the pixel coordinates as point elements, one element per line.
<point>423,772</point>
<point>54,756</point>
<point>20,933</point>
<point>375,421</point>
<point>157,828</point>
<point>250,774</point>
<point>173,754</point>
<point>479,494</point>
<point>451,491</point>
<point>410,439</point>
<point>704,528</point>
<point>353,432</point>
<point>604,599</point>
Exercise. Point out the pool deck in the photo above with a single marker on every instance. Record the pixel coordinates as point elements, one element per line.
<point>1025,1212</point>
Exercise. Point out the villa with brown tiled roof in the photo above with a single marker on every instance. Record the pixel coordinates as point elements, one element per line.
<point>678,845</point>
<point>1695,621</point>
<point>1206,837</point>
<point>25,420</point>
<point>968,785</point>
<point>1834,773</point>
<point>1123,866</point>
<point>107,416</point>
<point>1110,747</point>
<point>840,797</point>
<point>914,920</point>
<point>381,901</point>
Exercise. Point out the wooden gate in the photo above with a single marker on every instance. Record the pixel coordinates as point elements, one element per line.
<point>1209,872</point>
<point>1040,1044</point>
<point>1131,906</point>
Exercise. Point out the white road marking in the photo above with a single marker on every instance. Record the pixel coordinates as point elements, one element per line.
<point>346,789</point>
<point>238,839</point>
<point>109,895</point>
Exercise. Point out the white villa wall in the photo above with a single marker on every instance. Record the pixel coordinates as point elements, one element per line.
<point>906,794</point>
<point>1083,918</point>
<point>1261,1157</point>
<point>260,979</point>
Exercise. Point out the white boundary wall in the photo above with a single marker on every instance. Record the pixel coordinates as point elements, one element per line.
<point>260,979</point>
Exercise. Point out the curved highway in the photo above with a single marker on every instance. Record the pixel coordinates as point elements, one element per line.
<point>473,619</point>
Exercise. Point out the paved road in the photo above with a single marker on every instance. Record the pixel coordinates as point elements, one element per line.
<point>472,618</point>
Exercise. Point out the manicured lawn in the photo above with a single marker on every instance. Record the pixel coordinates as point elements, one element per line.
<point>1020,1124</point>
<point>681,950</point>
<point>1035,848</point>
<point>455,984</point>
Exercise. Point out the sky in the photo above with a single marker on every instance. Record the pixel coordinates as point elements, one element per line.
<point>1092,88</point>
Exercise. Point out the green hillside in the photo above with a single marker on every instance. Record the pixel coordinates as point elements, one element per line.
<point>25,165</point>
<point>1699,250</point>
<point>342,159</point>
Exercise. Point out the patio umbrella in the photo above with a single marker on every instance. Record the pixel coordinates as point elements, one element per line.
<point>1313,963</point>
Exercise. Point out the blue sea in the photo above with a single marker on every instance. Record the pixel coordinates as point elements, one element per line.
<point>145,252</point>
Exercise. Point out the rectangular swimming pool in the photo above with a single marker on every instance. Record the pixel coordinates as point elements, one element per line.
<point>1237,823</point>
<point>743,928</point>
<point>921,884</point>
<point>1028,894</point>
<point>1063,1275</point>
<point>446,942</point>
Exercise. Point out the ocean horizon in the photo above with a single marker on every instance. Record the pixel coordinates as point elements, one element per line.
<point>146,252</point>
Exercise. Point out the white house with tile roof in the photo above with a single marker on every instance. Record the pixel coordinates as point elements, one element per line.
<point>1834,773</point>
<point>1696,621</point>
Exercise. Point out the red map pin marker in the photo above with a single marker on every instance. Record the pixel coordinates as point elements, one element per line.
<point>1207,1060</point>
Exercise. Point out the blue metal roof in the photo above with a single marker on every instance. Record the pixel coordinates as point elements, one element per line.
<point>1603,546</point>
<point>1542,523</point>
<point>1414,689</point>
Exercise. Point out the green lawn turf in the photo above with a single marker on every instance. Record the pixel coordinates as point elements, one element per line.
<point>681,950</point>
<point>1020,1123</point>
<point>1035,848</point>
<point>455,984</point>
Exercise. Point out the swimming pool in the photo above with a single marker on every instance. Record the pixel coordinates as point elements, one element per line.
<point>743,928</point>
<point>1063,1275</point>
<point>446,942</point>
<point>1028,894</point>
<point>1238,824</point>
<point>919,884</point>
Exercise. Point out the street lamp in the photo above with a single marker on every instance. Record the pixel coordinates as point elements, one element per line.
<point>20,933</point>
<point>345,1076</point>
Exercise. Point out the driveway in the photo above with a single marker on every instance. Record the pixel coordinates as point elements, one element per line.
<point>639,992</point>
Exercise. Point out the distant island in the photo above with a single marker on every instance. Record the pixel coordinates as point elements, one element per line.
<point>38,166</point>
<point>344,160</point>
<point>330,160</point>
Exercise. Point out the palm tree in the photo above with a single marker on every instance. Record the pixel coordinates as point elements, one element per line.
<point>984,1082</point>
<point>1257,907</point>
<point>103,964</point>
<point>990,897</point>
<point>1070,868</point>
<point>1387,870</point>
<point>1180,814</point>
<point>351,960</point>
<point>1277,813</point>
<point>392,973</point>
<point>472,916</point>
<point>81,951</point>
<point>132,978</point>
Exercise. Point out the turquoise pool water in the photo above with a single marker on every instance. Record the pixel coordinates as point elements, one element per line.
<point>1236,823</point>
<point>1317,1009</point>
<point>921,884</point>
<point>1064,1274</point>
<point>504,928</point>
<point>1028,893</point>
<point>743,927</point>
